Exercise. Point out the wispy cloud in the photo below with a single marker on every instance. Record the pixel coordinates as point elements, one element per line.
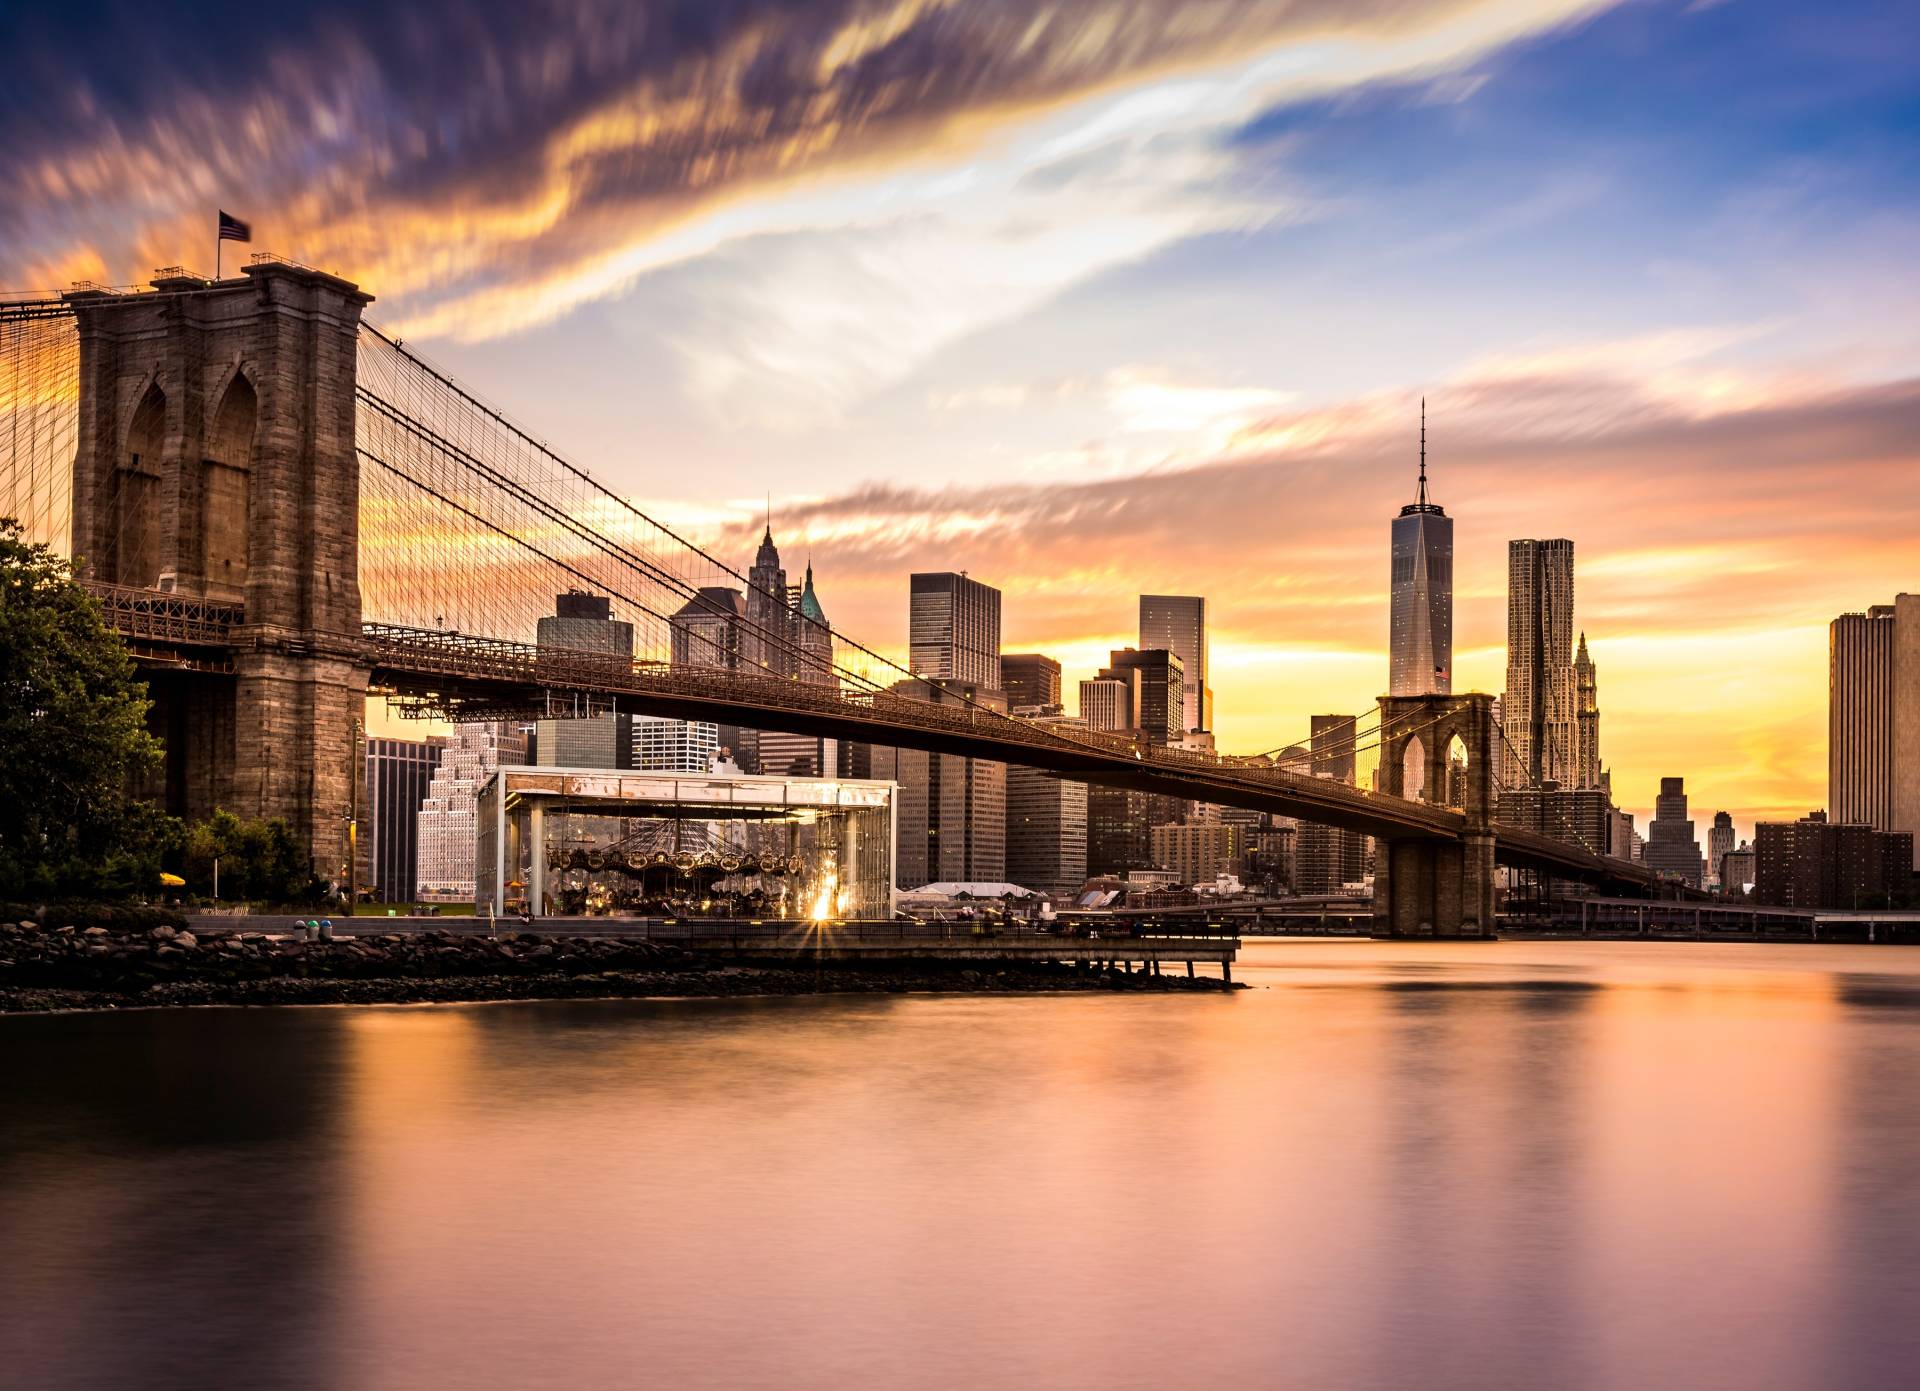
<point>483,170</point>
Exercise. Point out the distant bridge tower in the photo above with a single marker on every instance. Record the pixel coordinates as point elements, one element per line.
<point>216,460</point>
<point>1436,888</point>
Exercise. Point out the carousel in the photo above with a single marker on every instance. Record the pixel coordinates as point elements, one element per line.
<point>572,843</point>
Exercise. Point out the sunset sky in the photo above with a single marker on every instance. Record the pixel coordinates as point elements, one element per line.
<point>1089,298</point>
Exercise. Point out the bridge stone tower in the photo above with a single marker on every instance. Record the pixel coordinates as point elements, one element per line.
<point>1437,888</point>
<point>216,461</point>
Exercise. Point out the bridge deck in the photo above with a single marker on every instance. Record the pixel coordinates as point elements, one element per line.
<point>459,676</point>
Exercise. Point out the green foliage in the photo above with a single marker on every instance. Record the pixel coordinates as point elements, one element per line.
<point>260,861</point>
<point>73,740</point>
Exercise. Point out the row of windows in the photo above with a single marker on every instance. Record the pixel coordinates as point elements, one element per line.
<point>1439,569</point>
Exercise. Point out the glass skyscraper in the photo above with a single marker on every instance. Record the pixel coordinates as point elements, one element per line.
<point>953,629</point>
<point>1178,623</point>
<point>1420,638</point>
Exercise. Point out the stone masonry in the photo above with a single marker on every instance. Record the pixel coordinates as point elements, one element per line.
<point>1437,888</point>
<point>216,458</point>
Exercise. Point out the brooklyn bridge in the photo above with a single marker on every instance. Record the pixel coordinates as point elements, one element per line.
<point>284,510</point>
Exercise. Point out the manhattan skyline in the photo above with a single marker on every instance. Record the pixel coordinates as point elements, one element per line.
<point>1151,315</point>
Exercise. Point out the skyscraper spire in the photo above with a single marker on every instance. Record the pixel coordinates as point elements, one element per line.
<point>1421,611</point>
<point>1422,499</point>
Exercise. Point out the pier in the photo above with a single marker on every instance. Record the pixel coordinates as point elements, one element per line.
<point>1122,945</point>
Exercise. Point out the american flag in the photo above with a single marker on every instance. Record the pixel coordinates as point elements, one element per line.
<point>233,229</point>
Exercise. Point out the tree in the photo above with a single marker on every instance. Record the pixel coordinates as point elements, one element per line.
<point>259,860</point>
<point>73,739</point>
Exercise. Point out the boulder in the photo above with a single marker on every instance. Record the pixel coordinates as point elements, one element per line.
<point>162,934</point>
<point>183,939</point>
<point>95,932</point>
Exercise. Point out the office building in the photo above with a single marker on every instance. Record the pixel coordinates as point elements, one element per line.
<point>1538,705</point>
<point>1420,616</point>
<point>398,774</point>
<point>1198,852</point>
<point>1327,859</point>
<point>1873,717</point>
<point>1579,816</point>
<point>1046,829</point>
<point>1107,702</point>
<point>592,741</point>
<point>766,645</point>
<point>1622,838</point>
<point>1331,746</point>
<point>779,753</point>
<point>953,630</point>
<point>952,810</point>
<point>584,622</point>
<point>1817,863</point>
<point>662,745</point>
<point>1177,623</point>
<point>1156,690</point>
<point>1120,824</point>
<point>446,822</point>
<point>784,755</point>
<point>1270,856</point>
<point>1671,845</point>
<point>1720,842</point>
<point>706,632</point>
<point>1032,682</point>
<point>854,760</point>
<point>1737,870</point>
<point>1586,720</point>
<point>772,629</point>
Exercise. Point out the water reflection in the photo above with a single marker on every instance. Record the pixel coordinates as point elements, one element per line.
<point>169,1200</point>
<point>1589,1166</point>
<point>1487,1105</point>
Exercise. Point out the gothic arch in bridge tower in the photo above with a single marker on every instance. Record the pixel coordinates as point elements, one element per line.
<point>226,488</point>
<point>1413,770</point>
<point>1427,886</point>
<point>134,491</point>
<point>1458,764</point>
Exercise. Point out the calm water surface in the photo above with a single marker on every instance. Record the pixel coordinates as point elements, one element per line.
<point>1512,1165</point>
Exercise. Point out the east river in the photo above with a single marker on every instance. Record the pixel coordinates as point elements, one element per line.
<point>1384,1166</point>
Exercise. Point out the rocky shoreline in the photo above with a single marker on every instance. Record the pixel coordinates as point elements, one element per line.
<point>79,968</point>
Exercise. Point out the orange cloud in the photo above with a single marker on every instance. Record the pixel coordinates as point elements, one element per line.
<point>1709,561</point>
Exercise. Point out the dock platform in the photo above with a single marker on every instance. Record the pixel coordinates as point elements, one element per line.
<point>1147,946</point>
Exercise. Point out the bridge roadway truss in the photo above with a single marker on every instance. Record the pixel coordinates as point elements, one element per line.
<point>458,676</point>
<point>463,524</point>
